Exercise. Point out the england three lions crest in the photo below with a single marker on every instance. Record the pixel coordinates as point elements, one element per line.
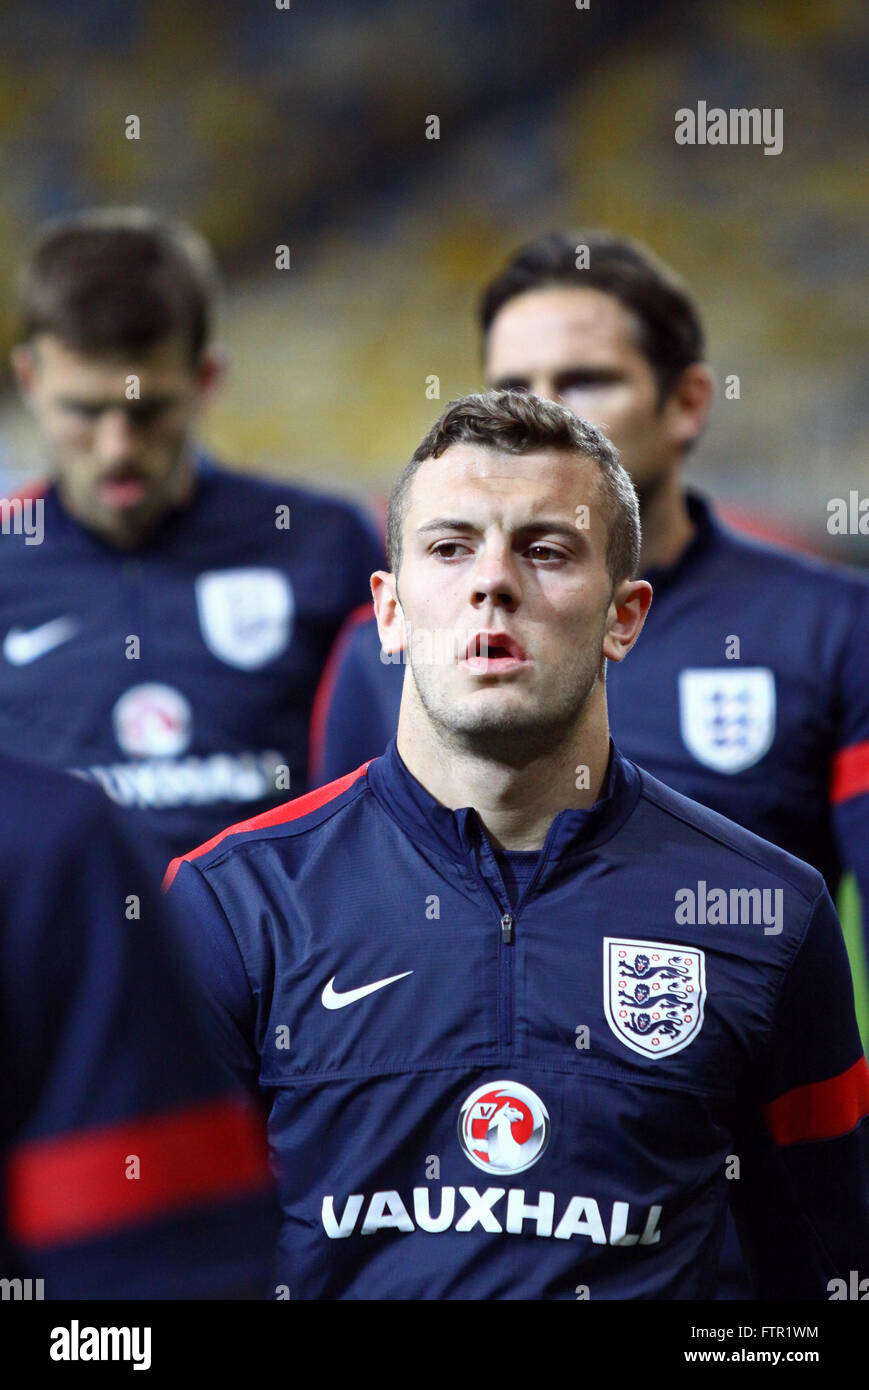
<point>246,615</point>
<point>653,994</point>
<point>727,717</point>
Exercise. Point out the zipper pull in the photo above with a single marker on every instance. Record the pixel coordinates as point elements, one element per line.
<point>507,929</point>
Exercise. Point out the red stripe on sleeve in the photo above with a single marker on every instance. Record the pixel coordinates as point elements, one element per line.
<point>850,773</point>
<point>74,1186</point>
<point>822,1110</point>
<point>29,492</point>
<point>279,815</point>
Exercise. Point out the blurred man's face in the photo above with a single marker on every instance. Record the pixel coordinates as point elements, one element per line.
<point>504,601</point>
<point>579,347</point>
<point>119,448</point>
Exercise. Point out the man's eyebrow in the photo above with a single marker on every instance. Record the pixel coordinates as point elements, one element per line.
<point>567,376</point>
<point>114,402</point>
<point>446,523</point>
<point>539,527</point>
<point>546,527</point>
<point>602,374</point>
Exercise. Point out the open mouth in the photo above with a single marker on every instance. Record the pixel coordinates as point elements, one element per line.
<point>125,488</point>
<point>493,652</point>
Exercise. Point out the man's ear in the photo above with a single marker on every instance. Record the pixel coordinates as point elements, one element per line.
<point>211,371</point>
<point>688,404</point>
<point>627,613</point>
<point>23,360</point>
<point>388,611</point>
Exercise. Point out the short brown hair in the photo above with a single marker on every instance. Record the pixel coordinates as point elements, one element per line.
<point>519,423</point>
<point>118,280</point>
<point>671,331</point>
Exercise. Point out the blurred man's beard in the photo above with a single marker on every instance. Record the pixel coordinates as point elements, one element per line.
<point>163,496</point>
<point>511,737</point>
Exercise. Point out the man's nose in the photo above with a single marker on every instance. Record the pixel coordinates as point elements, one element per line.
<point>116,436</point>
<point>495,577</point>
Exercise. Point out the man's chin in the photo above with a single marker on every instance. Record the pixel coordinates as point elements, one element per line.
<point>123,526</point>
<point>515,735</point>
<point>496,707</point>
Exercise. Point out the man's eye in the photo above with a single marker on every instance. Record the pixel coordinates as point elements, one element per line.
<point>579,385</point>
<point>545,552</point>
<point>143,413</point>
<point>137,412</point>
<point>443,547</point>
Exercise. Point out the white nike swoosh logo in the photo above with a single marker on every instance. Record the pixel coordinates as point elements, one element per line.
<point>20,646</point>
<point>335,999</point>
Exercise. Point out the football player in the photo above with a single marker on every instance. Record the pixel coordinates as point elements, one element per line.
<point>132,1165</point>
<point>759,709</point>
<point>520,1014</point>
<point>163,620</point>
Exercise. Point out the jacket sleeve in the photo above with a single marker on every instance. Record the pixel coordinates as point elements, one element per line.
<point>134,1168</point>
<point>216,964</point>
<point>802,1201</point>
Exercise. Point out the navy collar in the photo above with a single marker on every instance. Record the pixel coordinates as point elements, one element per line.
<point>708,535</point>
<point>461,835</point>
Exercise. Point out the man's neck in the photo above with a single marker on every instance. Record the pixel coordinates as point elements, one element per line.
<point>517,803</point>
<point>666,524</point>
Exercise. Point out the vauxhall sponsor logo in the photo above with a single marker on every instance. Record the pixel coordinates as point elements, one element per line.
<point>503,1127</point>
<point>161,783</point>
<point>581,1216</point>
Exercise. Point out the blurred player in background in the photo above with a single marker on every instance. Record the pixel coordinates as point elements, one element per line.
<point>163,621</point>
<point>132,1166</point>
<point>761,708</point>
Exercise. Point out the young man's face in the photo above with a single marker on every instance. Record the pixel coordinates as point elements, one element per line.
<point>579,347</point>
<point>492,550</point>
<point>119,449</point>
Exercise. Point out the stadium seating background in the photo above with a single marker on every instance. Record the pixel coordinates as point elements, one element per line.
<point>307,127</point>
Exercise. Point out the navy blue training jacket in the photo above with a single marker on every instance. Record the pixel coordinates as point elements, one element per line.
<point>131,1165</point>
<point>180,676</point>
<point>474,1097</point>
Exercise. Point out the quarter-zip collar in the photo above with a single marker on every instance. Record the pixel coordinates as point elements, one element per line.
<point>461,836</point>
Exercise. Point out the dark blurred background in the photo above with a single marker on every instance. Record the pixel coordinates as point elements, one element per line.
<point>306,127</point>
